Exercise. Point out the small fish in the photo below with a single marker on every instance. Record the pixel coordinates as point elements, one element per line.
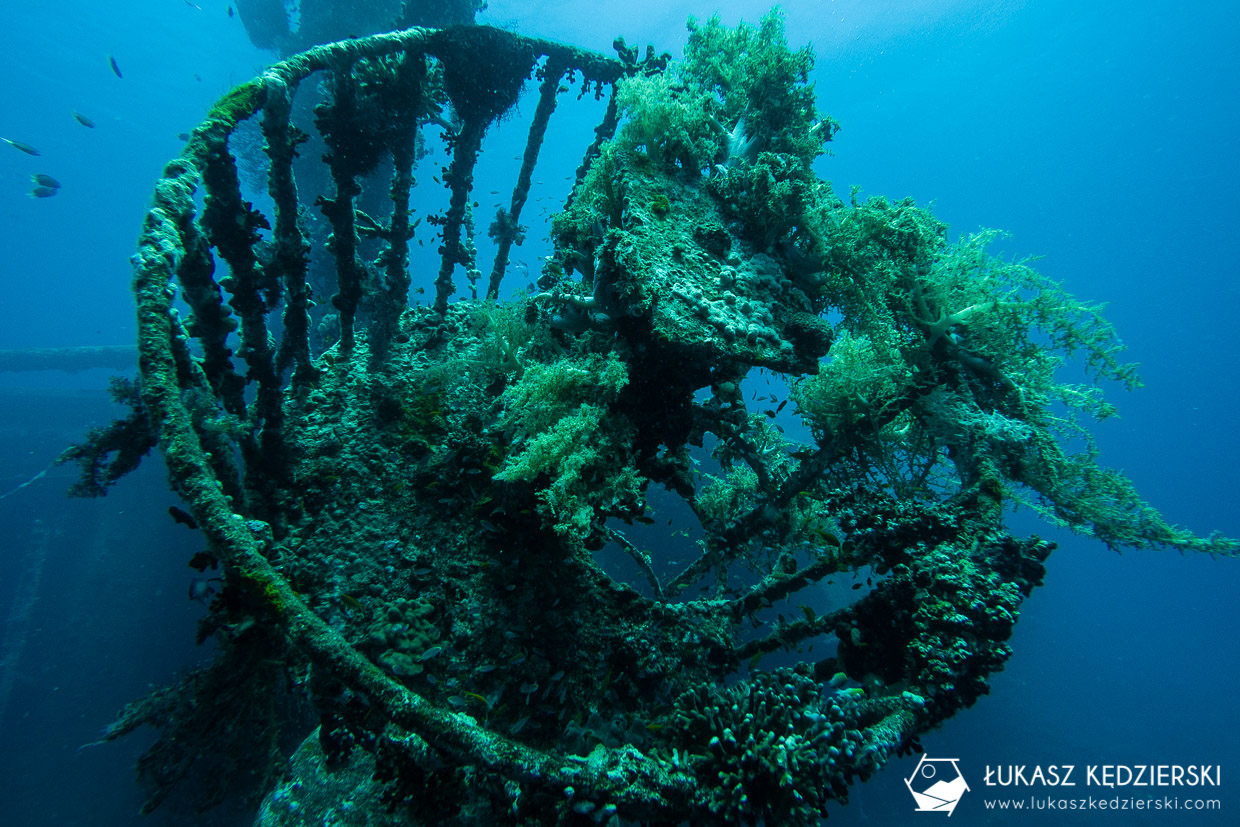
<point>430,653</point>
<point>43,192</point>
<point>45,180</point>
<point>350,601</point>
<point>829,539</point>
<point>182,136</point>
<point>83,120</point>
<point>180,515</point>
<point>518,726</point>
<point>230,11</point>
<point>116,69</point>
<point>18,145</point>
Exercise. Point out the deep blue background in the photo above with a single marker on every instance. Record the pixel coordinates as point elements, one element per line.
<point>1101,135</point>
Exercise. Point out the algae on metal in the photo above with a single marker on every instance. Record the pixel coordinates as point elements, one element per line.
<point>408,521</point>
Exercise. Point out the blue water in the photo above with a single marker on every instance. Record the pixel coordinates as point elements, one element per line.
<point>1101,135</point>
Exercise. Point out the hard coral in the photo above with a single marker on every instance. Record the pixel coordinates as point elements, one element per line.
<point>777,747</point>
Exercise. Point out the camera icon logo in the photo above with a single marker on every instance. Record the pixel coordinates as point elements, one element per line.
<point>937,785</point>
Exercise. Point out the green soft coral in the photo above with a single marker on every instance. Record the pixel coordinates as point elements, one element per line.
<point>861,376</point>
<point>757,78</point>
<point>765,101</point>
<point>737,92</point>
<point>956,354</point>
<point>568,442</point>
<point>772,197</point>
<point>722,498</point>
<point>945,370</point>
<point>573,466</point>
<point>548,392</point>
<point>668,122</point>
<point>1103,503</point>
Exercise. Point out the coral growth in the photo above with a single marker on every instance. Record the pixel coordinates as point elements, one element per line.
<point>424,520</point>
<point>112,452</point>
<point>780,746</point>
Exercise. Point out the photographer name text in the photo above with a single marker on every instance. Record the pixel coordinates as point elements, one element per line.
<point>1104,775</point>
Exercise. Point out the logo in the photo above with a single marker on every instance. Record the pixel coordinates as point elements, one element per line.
<point>936,785</point>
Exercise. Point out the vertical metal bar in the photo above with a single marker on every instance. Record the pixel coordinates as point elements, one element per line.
<point>507,225</point>
<point>339,210</point>
<point>460,180</point>
<point>292,251</point>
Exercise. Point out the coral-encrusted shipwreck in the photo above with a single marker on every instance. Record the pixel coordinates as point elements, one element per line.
<point>405,503</point>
